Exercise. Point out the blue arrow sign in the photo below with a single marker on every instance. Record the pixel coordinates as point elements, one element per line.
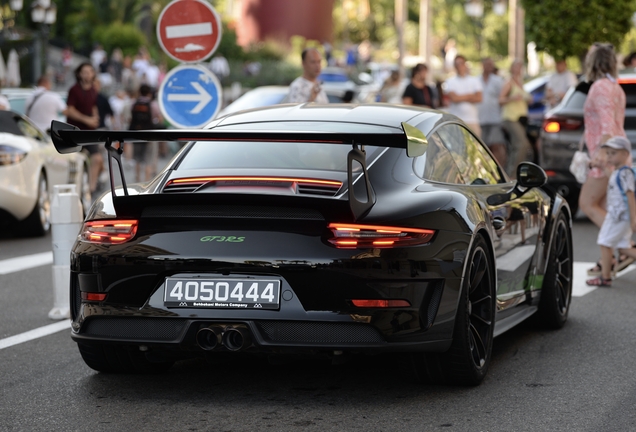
<point>190,96</point>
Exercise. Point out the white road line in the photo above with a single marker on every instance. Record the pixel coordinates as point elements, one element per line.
<point>25,262</point>
<point>35,334</point>
<point>579,288</point>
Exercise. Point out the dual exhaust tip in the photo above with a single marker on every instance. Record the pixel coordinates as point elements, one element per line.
<point>232,338</point>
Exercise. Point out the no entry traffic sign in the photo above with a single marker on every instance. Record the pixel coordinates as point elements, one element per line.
<point>190,96</point>
<point>189,30</point>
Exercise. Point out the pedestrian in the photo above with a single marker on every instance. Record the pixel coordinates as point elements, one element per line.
<point>220,67</point>
<point>464,93</point>
<point>98,55</point>
<point>620,220</point>
<point>490,112</point>
<point>118,102</point>
<point>307,88</point>
<point>514,113</point>
<point>82,112</point>
<point>145,115</point>
<point>418,92</point>
<point>43,106</point>
<point>391,89</point>
<point>559,83</point>
<point>604,117</point>
<point>104,109</point>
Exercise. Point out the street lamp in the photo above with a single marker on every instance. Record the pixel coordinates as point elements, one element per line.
<point>43,13</point>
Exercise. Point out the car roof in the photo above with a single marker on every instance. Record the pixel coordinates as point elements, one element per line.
<point>387,115</point>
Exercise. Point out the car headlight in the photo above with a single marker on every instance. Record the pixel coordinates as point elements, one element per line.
<point>10,155</point>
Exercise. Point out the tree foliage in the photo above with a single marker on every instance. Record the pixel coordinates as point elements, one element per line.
<point>565,28</point>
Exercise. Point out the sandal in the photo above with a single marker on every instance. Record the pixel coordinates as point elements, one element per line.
<point>599,282</point>
<point>623,262</point>
<point>596,270</point>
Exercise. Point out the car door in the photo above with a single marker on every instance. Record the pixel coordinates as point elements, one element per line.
<point>517,222</point>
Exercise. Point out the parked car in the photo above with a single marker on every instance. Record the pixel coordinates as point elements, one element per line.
<point>272,232</point>
<point>336,81</point>
<point>537,107</point>
<point>562,130</point>
<point>256,98</point>
<point>29,169</point>
<point>271,95</point>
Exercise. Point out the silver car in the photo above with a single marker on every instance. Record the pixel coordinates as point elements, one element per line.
<point>561,133</point>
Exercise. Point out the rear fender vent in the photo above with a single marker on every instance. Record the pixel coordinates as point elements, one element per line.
<point>300,186</point>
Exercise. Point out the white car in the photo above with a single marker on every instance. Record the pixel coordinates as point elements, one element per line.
<point>29,169</point>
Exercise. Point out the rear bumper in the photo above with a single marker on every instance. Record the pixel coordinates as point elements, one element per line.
<point>267,337</point>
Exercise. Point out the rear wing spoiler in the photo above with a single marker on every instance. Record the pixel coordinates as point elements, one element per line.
<point>69,139</point>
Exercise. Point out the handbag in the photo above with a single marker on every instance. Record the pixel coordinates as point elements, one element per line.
<point>580,165</point>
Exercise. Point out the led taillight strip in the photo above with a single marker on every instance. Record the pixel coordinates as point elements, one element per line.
<point>354,236</point>
<point>109,231</point>
<point>203,180</point>
<point>380,303</point>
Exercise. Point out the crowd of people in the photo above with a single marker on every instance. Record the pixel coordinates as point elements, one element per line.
<point>493,107</point>
<point>496,109</point>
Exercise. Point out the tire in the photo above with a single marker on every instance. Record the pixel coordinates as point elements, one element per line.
<point>38,222</point>
<point>117,359</point>
<point>556,291</point>
<point>467,360</point>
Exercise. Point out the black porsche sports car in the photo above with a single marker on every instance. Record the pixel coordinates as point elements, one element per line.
<point>317,229</point>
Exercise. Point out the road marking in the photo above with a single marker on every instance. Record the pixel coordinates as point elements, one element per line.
<point>579,288</point>
<point>35,334</point>
<point>26,262</point>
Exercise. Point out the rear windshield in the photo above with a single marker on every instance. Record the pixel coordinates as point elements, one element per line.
<point>577,98</point>
<point>328,157</point>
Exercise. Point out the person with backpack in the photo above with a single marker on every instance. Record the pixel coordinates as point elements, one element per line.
<point>145,115</point>
<point>43,105</point>
<point>620,219</point>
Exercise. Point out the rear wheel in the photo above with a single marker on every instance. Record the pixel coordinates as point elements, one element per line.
<point>117,359</point>
<point>467,360</point>
<point>556,291</point>
<point>39,221</point>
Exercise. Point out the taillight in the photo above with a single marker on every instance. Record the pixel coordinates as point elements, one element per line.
<point>90,296</point>
<point>353,236</point>
<point>380,303</point>
<point>555,124</point>
<point>109,231</point>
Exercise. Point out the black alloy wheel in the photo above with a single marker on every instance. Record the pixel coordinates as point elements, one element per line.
<point>468,359</point>
<point>556,291</point>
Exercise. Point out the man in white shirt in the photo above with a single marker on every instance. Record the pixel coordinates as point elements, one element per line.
<point>464,92</point>
<point>43,105</point>
<point>490,111</point>
<point>559,83</point>
<point>306,88</point>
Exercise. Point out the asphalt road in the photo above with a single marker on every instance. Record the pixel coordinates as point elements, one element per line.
<point>577,379</point>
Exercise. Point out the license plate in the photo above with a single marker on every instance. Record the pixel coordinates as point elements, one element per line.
<point>222,293</point>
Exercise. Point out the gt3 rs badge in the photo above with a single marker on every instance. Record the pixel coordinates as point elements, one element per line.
<point>231,239</point>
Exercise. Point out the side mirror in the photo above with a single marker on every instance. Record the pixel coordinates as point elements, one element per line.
<point>530,175</point>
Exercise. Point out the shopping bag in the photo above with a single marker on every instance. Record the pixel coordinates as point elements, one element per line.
<point>580,165</point>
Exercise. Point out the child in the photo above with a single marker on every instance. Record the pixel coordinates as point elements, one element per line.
<point>620,220</point>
